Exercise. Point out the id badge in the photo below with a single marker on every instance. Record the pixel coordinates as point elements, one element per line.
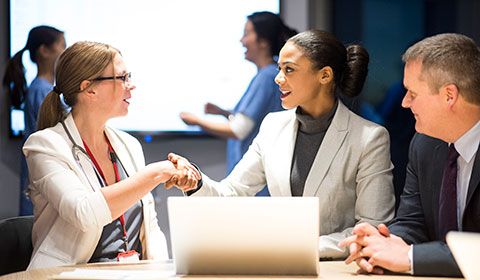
<point>128,257</point>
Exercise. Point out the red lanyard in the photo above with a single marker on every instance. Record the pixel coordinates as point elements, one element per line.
<point>117,179</point>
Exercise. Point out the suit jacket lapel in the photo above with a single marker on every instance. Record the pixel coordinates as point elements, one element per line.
<point>331,143</point>
<point>439,161</point>
<point>474,179</point>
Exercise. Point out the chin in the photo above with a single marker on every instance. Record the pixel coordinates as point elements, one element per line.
<point>287,106</point>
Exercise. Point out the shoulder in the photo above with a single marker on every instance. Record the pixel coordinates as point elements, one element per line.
<point>268,72</point>
<point>126,138</point>
<point>40,85</point>
<point>279,117</point>
<point>276,121</point>
<point>358,126</point>
<point>422,143</point>
<point>47,140</point>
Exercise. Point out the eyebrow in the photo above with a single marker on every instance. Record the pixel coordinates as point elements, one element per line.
<point>286,63</point>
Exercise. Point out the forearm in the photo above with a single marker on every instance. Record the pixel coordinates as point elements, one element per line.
<point>218,129</point>
<point>122,195</point>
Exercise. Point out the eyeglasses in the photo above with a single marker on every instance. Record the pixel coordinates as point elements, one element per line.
<point>125,78</point>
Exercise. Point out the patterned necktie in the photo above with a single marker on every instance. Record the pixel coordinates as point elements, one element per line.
<point>447,218</point>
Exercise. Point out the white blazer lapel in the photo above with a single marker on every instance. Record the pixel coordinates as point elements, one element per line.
<point>282,161</point>
<point>121,151</point>
<point>331,143</point>
<point>85,163</point>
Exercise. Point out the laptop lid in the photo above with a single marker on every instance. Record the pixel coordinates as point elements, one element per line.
<point>465,247</point>
<point>244,235</point>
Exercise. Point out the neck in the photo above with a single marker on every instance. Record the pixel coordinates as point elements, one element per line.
<point>463,120</point>
<point>321,104</point>
<point>46,71</point>
<point>263,61</point>
<point>462,125</point>
<point>91,128</point>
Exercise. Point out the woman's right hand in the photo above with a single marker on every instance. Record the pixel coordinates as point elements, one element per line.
<point>190,177</point>
<point>162,170</point>
<point>174,174</point>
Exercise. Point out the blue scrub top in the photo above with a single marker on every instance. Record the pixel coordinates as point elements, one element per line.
<point>37,91</point>
<point>262,97</point>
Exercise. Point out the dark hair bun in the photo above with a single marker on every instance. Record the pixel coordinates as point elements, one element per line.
<point>356,70</point>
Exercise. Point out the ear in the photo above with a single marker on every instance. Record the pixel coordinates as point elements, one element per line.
<point>263,44</point>
<point>325,75</point>
<point>43,51</point>
<point>451,94</point>
<point>86,87</point>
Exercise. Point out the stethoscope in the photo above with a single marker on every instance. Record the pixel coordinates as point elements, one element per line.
<point>78,151</point>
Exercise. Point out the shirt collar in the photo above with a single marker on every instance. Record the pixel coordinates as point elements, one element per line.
<point>467,145</point>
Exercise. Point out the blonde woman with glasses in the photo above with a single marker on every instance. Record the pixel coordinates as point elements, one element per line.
<point>90,186</point>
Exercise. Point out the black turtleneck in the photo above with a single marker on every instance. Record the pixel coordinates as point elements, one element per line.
<point>311,132</point>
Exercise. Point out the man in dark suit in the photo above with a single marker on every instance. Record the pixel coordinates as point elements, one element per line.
<point>441,189</point>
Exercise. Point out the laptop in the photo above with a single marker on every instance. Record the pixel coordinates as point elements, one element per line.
<point>244,235</point>
<point>465,247</point>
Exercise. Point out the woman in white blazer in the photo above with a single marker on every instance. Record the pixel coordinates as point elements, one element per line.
<point>89,184</point>
<point>319,147</point>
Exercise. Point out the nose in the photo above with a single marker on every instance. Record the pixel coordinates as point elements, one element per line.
<point>406,100</point>
<point>242,40</point>
<point>130,85</point>
<point>279,78</point>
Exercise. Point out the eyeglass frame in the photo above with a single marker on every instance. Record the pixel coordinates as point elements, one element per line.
<point>124,78</point>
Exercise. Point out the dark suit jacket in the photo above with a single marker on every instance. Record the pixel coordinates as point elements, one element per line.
<point>417,217</point>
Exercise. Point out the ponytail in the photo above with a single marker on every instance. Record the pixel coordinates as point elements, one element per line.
<point>52,110</point>
<point>14,80</point>
<point>355,72</point>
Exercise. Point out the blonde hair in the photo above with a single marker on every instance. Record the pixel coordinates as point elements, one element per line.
<point>79,62</point>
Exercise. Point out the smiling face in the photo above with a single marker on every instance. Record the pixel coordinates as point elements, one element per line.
<point>298,81</point>
<point>427,105</point>
<point>114,94</point>
<point>250,42</point>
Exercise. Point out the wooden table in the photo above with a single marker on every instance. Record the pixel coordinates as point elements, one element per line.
<point>328,270</point>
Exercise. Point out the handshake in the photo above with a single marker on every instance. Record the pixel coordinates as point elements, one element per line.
<point>176,171</point>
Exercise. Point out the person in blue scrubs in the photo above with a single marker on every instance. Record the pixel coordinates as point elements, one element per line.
<point>44,44</point>
<point>264,36</point>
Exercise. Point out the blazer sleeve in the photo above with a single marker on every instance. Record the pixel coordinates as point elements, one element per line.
<point>246,179</point>
<point>155,247</point>
<point>52,175</point>
<point>434,259</point>
<point>410,222</point>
